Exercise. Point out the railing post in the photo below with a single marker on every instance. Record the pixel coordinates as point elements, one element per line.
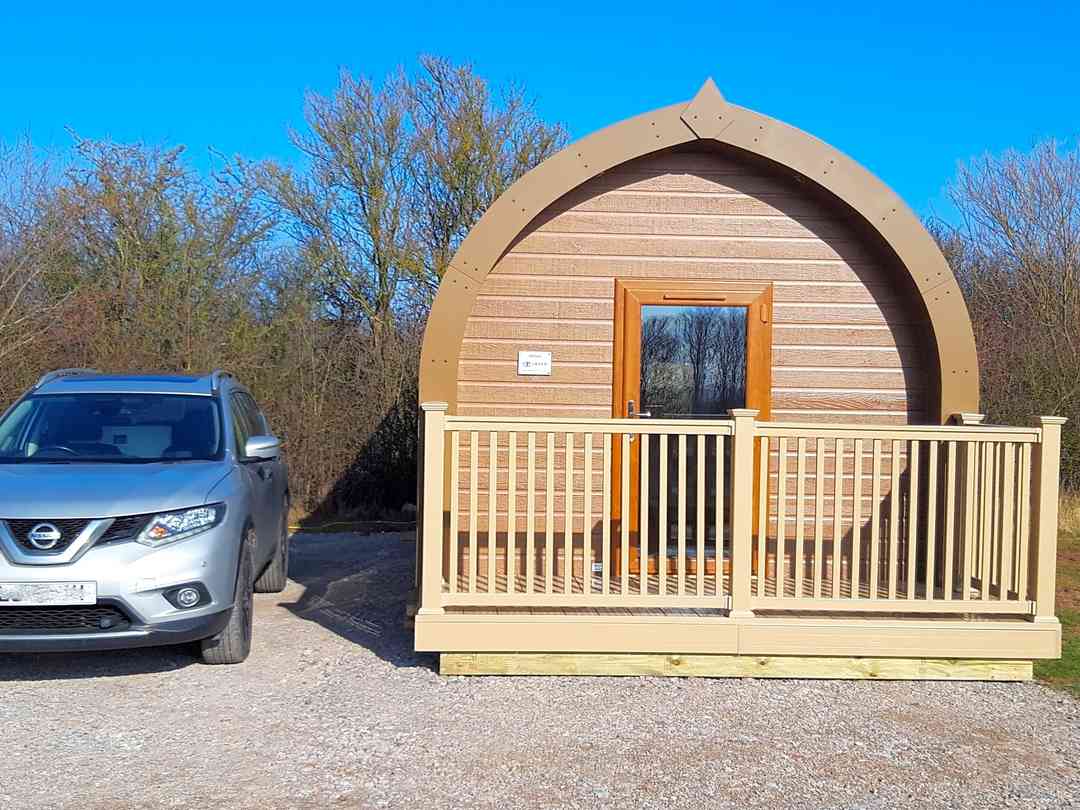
<point>742,509</point>
<point>1046,470</point>
<point>432,516</point>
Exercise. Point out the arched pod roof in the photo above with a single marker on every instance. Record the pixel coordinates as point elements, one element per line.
<point>708,116</point>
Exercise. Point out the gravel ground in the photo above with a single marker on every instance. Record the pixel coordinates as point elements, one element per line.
<point>334,708</point>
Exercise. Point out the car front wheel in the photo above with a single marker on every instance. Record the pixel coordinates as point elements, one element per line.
<point>232,644</point>
<point>275,576</point>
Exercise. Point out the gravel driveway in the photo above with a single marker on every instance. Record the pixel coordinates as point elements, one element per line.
<point>334,709</point>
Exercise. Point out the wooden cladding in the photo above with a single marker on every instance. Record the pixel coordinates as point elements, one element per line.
<point>857,518</point>
<point>846,341</point>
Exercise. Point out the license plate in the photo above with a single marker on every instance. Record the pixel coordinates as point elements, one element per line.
<point>36,594</point>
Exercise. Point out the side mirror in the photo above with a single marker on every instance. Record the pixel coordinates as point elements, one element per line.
<point>264,448</point>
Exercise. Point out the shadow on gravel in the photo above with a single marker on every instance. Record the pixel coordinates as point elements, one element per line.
<point>72,666</point>
<point>356,586</point>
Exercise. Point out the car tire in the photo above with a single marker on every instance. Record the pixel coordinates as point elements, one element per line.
<point>275,576</point>
<point>232,645</point>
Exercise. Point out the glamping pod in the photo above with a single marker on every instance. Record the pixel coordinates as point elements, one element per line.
<point>700,396</point>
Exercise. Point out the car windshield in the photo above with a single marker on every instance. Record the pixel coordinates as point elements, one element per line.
<point>111,428</point>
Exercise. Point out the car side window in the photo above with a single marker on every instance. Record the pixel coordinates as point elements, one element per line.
<point>242,428</point>
<point>255,420</point>
<point>15,425</point>
<point>255,416</point>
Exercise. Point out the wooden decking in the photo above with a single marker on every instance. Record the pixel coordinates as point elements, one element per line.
<point>827,541</point>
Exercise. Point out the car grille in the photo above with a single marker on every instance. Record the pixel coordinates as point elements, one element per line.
<point>69,530</point>
<point>75,619</point>
<point>122,528</point>
<point>125,528</point>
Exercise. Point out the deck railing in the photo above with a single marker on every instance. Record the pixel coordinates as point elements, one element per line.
<point>737,515</point>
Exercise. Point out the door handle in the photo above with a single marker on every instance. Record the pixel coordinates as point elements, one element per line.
<point>631,414</point>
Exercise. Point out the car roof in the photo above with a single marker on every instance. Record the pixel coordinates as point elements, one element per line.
<point>84,381</point>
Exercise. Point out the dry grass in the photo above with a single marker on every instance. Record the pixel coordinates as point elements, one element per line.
<point>1066,671</point>
<point>1069,512</point>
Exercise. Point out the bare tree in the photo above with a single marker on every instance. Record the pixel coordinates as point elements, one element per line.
<point>347,209</point>
<point>660,390</point>
<point>31,242</point>
<point>698,327</point>
<point>470,144</point>
<point>1017,256</point>
<point>728,372</point>
<point>310,279</point>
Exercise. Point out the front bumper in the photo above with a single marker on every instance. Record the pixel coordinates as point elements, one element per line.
<point>179,631</point>
<point>133,578</point>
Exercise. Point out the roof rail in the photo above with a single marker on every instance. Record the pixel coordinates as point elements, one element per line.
<point>64,372</point>
<point>216,376</point>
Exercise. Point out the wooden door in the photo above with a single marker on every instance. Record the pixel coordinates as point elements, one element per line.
<point>685,350</point>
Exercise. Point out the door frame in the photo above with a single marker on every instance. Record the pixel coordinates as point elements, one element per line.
<point>633,294</point>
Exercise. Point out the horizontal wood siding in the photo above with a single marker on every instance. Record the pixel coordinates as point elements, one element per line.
<point>846,346</point>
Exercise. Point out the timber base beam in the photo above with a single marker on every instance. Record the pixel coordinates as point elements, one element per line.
<point>735,666</point>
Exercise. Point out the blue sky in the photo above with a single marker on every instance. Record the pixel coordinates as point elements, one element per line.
<point>909,89</point>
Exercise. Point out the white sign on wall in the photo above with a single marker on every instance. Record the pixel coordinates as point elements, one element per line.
<point>534,364</point>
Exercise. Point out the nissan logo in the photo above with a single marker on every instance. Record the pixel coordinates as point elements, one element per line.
<point>44,536</point>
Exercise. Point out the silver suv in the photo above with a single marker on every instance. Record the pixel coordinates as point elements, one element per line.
<point>136,511</point>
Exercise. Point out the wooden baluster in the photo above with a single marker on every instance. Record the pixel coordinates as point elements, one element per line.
<point>624,522</point>
<point>587,531</point>
<point>819,517</point>
<point>763,513</point>
<point>875,524</point>
<point>986,527</point>
<point>455,506</point>
<point>549,517</point>
<point>894,516</point>
<point>511,513</point>
<point>997,568</point>
<point>971,455</point>
<point>474,507</point>
<point>913,517</point>
<point>1007,580</point>
<point>781,519</point>
<point>530,517</point>
<point>682,514</point>
<point>931,517</point>
<point>718,516</point>
<point>838,516</point>
<point>948,577</point>
<point>1023,551</point>
<point>643,519</point>
<point>800,514</point>
<point>493,482</point>
<point>856,522</point>
<point>662,515</point>
<point>699,512</point>
<point>605,529</point>
<point>568,514</point>
<point>894,496</point>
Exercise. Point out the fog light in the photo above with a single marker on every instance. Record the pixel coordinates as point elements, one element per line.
<point>188,597</point>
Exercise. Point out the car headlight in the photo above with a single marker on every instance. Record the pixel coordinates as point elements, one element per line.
<point>168,527</point>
